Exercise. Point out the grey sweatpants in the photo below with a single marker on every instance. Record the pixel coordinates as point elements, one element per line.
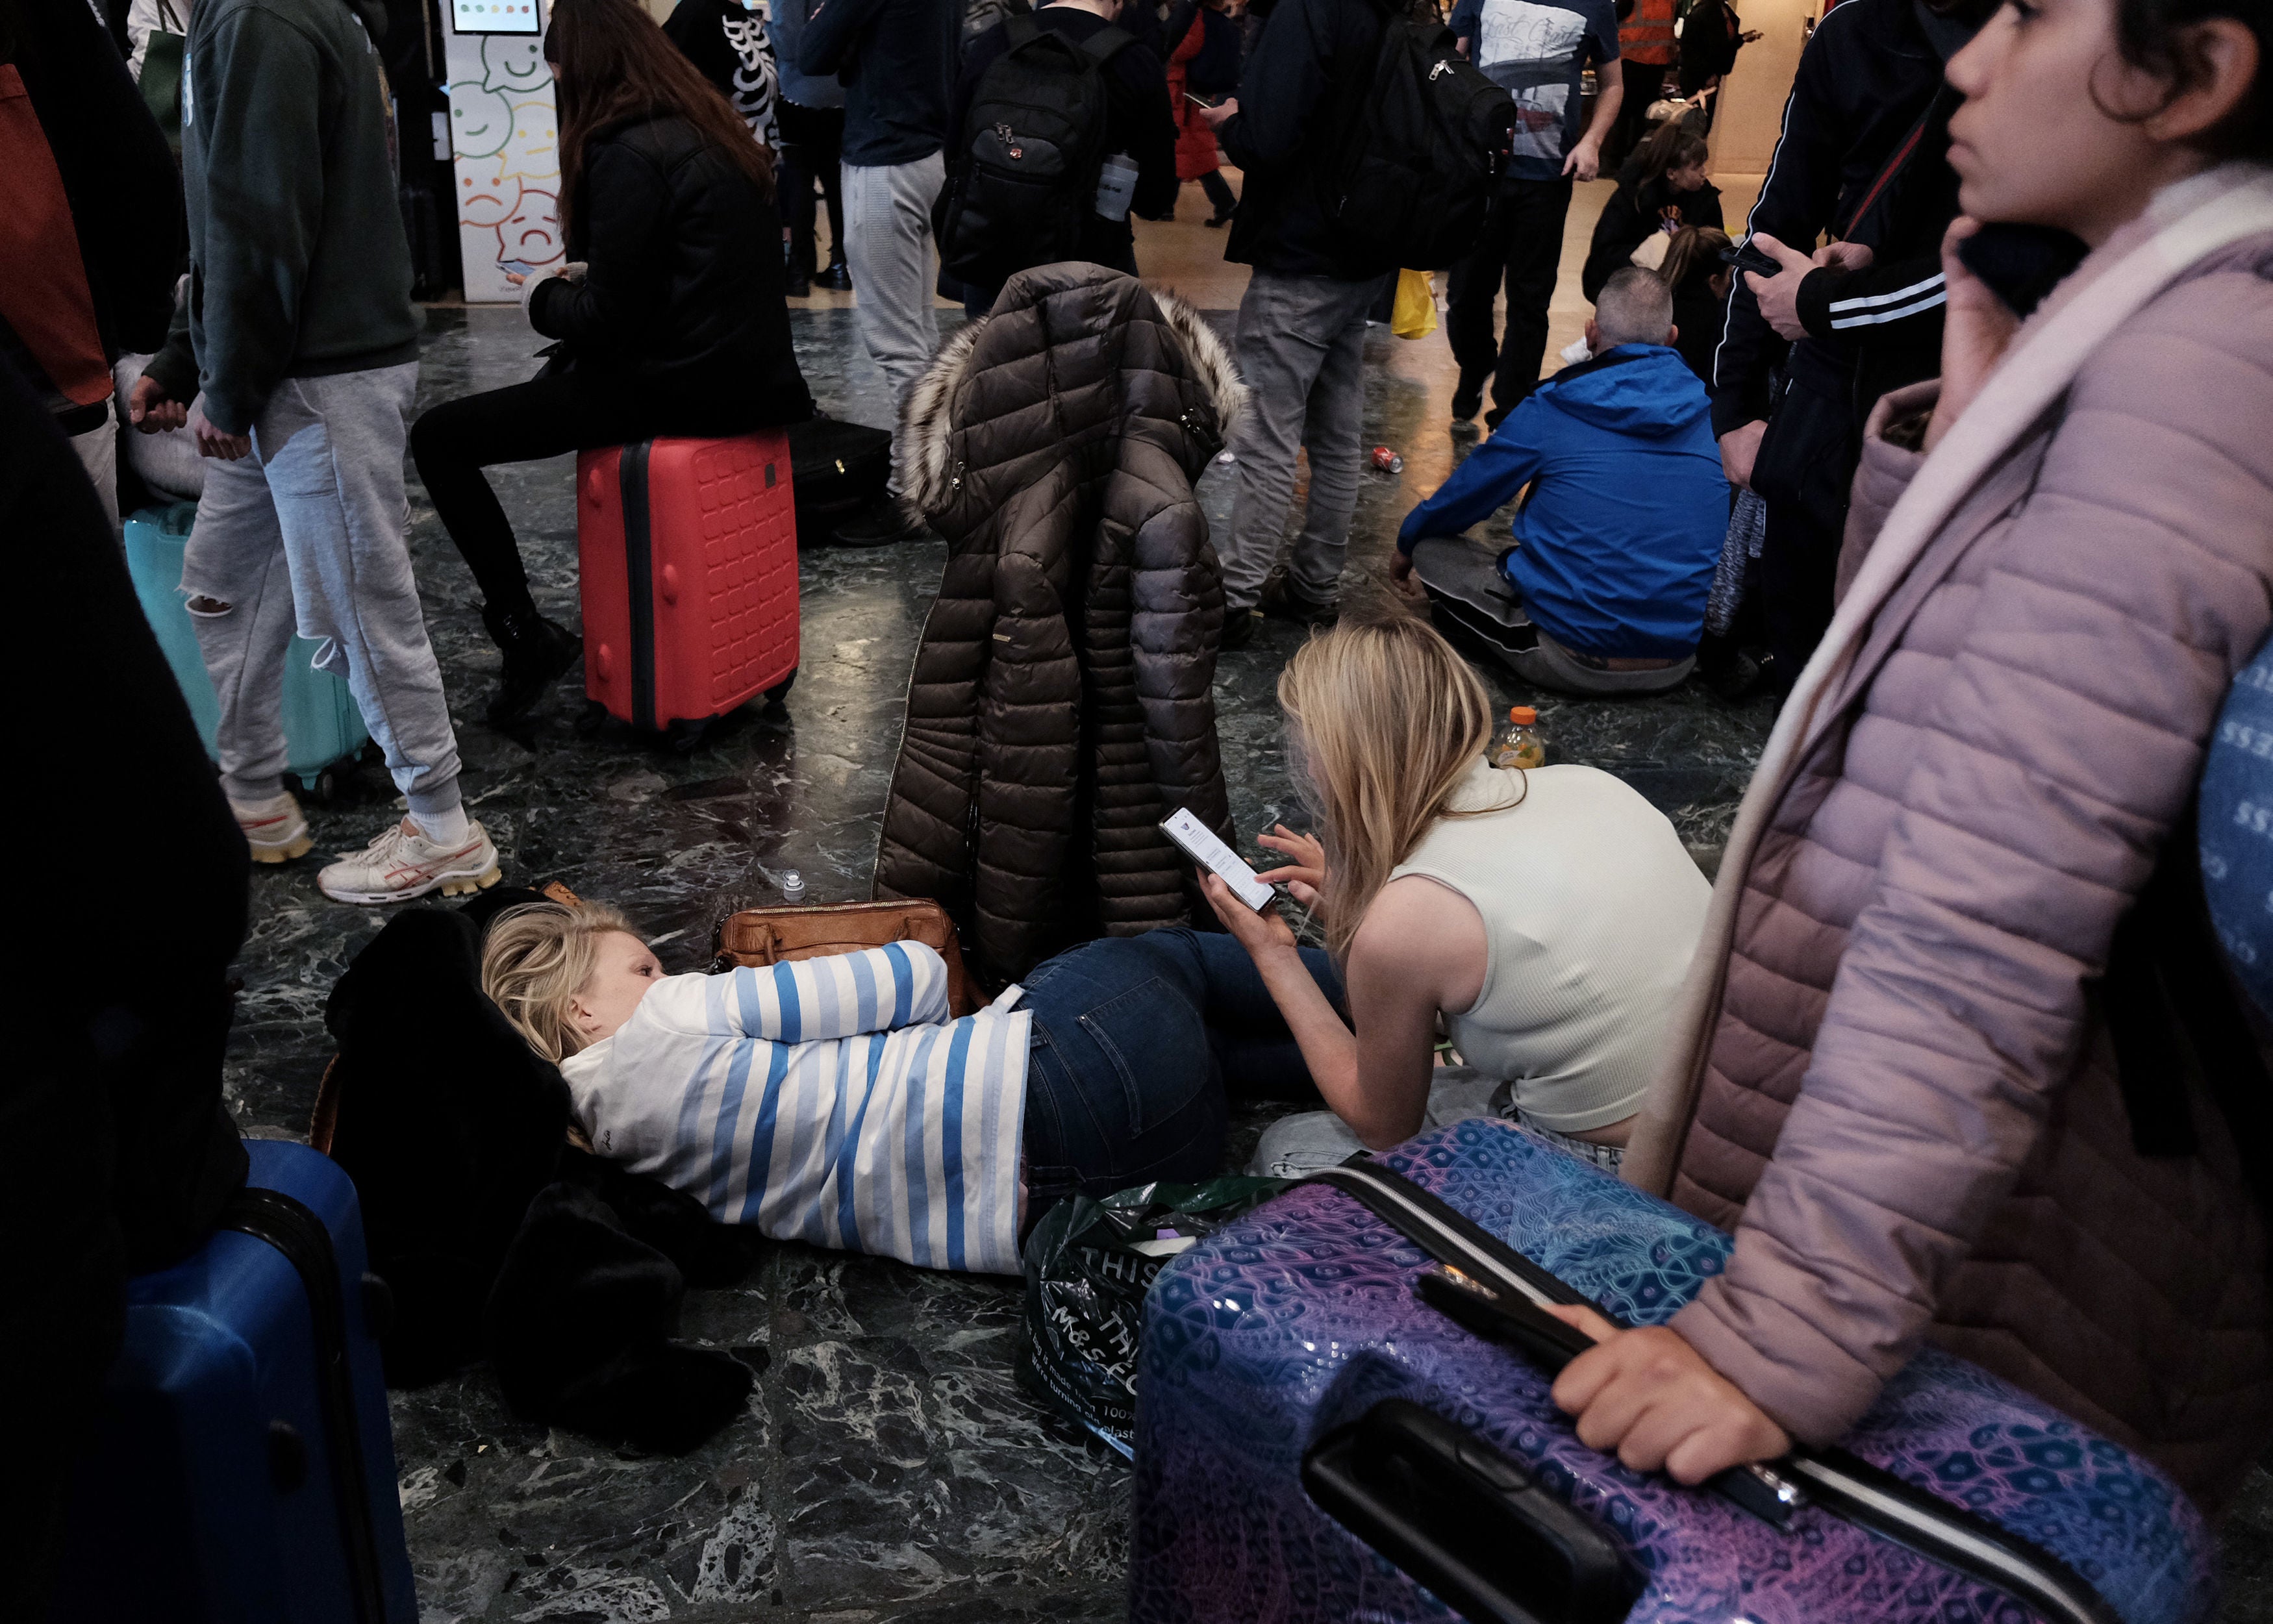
<point>887,247</point>
<point>1301,350</point>
<point>306,535</point>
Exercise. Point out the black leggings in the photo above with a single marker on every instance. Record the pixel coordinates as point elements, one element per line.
<point>1218,191</point>
<point>570,411</point>
<point>813,140</point>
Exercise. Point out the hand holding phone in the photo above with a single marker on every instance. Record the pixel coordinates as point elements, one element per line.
<point>1199,842</point>
<point>1744,257</point>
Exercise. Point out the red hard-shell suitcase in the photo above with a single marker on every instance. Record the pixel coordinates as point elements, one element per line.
<point>688,554</point>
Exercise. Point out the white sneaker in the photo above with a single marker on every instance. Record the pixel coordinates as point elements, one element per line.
<point>276,829</point>
<point>402,863</point>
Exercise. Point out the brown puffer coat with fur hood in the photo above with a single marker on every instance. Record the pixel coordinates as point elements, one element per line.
<point>1061,704</point>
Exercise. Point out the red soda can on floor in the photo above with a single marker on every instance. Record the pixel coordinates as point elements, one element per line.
<point>1387,461</point>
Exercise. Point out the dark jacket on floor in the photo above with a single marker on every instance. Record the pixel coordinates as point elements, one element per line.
<point>1060,705</point>
<point>116,1150</point>
<point>684,288</point>
<point>1296,93</point>
<point>298,264</point>
<point>494,1235</point>
<point>1630,215</point>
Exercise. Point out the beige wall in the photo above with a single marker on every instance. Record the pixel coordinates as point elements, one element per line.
<point>1752,100</point>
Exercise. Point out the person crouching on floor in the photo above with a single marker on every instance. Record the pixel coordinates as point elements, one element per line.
<point>1616,543</point>
<point>832,1100</point>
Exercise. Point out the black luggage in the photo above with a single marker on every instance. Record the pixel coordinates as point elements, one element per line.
<point>836,469</point>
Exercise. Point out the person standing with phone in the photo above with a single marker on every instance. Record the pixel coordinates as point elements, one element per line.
<point>1544,918</point>
<point>1862,157</point>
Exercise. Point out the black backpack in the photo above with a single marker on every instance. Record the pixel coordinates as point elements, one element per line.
<point>1412,182</point>
<point>1026,182</point>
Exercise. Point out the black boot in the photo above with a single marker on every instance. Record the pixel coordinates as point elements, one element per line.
<point>839,276</point>
<point>537,654</point>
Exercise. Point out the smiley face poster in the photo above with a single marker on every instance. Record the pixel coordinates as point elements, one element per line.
<point>505,137</point>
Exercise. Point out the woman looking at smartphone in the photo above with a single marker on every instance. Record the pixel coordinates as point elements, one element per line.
<point>1544,918</point>
<point>669,316</point>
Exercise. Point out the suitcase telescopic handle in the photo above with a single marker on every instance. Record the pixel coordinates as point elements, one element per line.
<point>1468,1521</point>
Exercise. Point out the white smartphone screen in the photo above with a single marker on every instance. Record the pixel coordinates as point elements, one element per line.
<point>1200,843</point>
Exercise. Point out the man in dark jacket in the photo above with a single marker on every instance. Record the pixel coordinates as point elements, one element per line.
<point>300,332</point>
<point>1302,323</point>
<point>1616,543</point>
<point>1862,155</point>
<point>896,59</point>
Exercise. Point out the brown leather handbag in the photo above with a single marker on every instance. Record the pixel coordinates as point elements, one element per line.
<point>762,936</point>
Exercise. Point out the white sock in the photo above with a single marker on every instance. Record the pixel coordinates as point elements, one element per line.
<point>443,828</point>
<point>277,805</point>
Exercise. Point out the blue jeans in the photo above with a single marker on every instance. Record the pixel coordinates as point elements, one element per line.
<point>1137,1039</point>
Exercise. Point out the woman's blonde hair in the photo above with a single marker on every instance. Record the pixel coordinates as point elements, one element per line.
<point>1390,720</point>
<point>538,957</point>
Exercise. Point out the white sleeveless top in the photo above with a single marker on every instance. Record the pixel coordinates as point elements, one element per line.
<point>1591,907</point>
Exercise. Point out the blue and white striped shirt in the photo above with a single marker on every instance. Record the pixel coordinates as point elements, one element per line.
<point>829,1100</point>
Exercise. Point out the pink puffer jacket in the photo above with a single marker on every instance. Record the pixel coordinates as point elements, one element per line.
<point>1908,1020</point>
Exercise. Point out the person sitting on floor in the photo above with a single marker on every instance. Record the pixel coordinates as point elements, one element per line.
<point>1700,283</point>
<point>1545,917</point>
<point>668,309</point>
<point>1662,191</point>
<point>1616,543</point>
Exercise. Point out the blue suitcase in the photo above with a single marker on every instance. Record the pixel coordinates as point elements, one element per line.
<point>1322,1434</point>
<point>243,1471</point>
<point>323,725</point>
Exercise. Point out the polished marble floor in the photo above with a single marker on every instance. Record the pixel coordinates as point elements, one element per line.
<point>887,1467</point>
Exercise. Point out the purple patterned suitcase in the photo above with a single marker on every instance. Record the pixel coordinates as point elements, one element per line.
<point>1292,1342</point>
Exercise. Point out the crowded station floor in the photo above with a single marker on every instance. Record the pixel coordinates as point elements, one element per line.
<point>887,1467</point>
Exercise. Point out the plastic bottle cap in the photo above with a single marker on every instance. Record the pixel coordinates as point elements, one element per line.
<point>1522,715</point>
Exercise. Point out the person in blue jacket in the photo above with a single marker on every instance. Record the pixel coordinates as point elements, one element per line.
<point>1616,545</point>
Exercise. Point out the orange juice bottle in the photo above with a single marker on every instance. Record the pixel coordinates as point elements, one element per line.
<point>1520,744</point>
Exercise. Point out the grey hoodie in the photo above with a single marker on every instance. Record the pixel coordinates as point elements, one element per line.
<point>298,266</point>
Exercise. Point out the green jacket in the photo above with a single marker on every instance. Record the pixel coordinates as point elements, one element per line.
<point>298,266</point>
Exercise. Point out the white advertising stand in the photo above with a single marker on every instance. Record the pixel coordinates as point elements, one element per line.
<point>505,142</point>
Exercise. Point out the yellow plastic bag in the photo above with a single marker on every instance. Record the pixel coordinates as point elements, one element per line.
<point>1414,316</point>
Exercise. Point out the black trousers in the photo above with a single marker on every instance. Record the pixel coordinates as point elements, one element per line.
<point>1218,191</point>
<point>813,145</point>
<point>1644,83</point>
<point>573,410</point>
<point>1523,245</point>
<point>1805,466</point>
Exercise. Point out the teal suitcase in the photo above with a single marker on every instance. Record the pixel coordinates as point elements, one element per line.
<point>323,727</point>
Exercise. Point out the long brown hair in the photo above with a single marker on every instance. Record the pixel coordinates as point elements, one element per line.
<point>1387,720</point>
<point>616,64</point>
<point>1670,148</point>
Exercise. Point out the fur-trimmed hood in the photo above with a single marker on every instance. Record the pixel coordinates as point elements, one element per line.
<point>1152,332</point>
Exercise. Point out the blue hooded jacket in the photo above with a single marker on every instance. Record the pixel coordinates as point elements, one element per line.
<point>1616,543</point>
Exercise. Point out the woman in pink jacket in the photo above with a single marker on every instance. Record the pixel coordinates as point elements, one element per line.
<point>1895,1070</point>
